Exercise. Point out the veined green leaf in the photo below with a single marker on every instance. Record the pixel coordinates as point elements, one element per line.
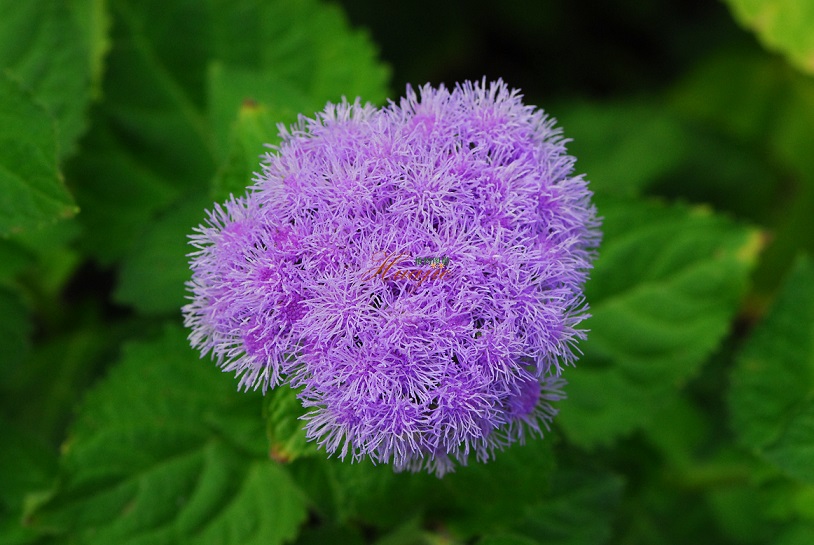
<point>167,126</point>
<point>254,128</point>
<point>150,142</point>
<point>273,61</point>
<point>32,192</point>
<point>165,451</point>
<point>772,393</point>
<point>662,294</point>
<point>55,49</point>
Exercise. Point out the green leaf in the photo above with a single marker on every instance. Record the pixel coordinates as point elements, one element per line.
<point>165,450</point>
<point>506,539</point>
<point>634,147</point>
<point>13,259</point>
<point>32,192</point>
<point>153,275</point>
<point>15,331</point>
<point>663,292</point>
<point>623,148</point>
<point>516,478</point>
<point>689,428</point>
<point>410,532</point>
<point>320,535</point>
<point>764,107</point>
<point>784,26</point>
<point>579,509</point>
<point>55,49</point>
<point>254,128</point>
<point>150,142</point>
<point>154,89</point>
<point>306,45</point>
<point>119,194</point>
<point>55,261</point>
<point>26,464</point>
<point>771,397</point>
<point>273,61</point>
<point>58,369</point>
<point>758,101</point>
<point>169,112</point>
<point>284,428</point>
<point>745,511</point>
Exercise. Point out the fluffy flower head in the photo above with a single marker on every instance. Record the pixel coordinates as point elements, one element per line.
<point>415,270</point>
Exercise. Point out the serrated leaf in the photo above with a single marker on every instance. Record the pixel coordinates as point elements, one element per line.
<point>663,292</point>
<point>305,46</point>
<point>771,394</point>
<point>32,192</point>
<point>247,103</point>
<point>55,49</point>
<point>782,25</point>
<point>150,142</point>
<point>164,450</point>
<point>156,140</point>
<point>254,128</point>
<point>275,60</point>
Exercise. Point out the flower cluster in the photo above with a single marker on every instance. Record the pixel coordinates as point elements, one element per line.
<point>416,378</point>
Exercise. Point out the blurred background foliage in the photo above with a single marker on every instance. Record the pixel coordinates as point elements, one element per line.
<point>690,417</point>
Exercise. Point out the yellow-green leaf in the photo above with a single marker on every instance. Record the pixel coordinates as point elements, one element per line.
<point>786,26</point>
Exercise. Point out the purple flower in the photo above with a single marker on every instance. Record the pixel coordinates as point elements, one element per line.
<point>400,366</point>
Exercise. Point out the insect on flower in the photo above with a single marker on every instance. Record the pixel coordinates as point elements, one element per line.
<point>282,292</point>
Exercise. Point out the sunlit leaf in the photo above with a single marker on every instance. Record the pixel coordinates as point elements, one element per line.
<point>782,25</point>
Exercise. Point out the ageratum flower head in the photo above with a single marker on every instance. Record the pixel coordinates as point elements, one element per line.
<point>416,271</point>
